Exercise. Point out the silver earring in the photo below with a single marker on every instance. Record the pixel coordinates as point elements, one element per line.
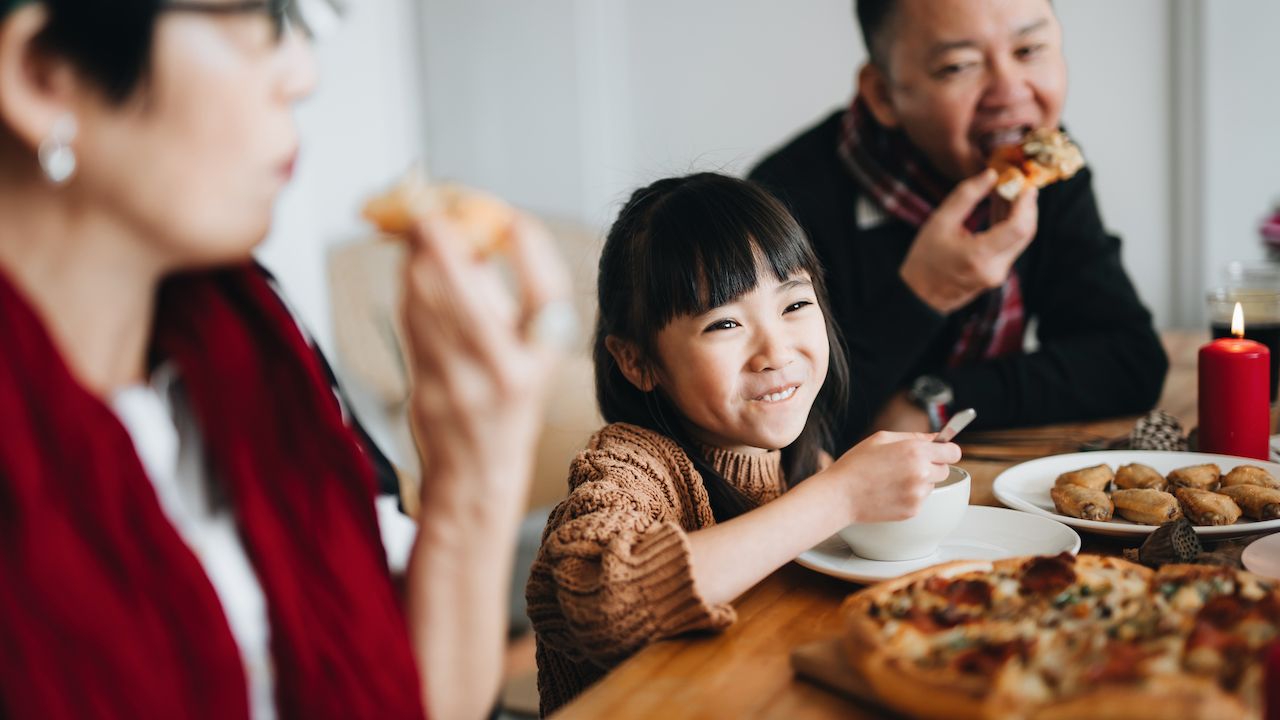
<point>57,159</point>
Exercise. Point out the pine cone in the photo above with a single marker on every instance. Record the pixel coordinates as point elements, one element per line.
<point>1172,542</point>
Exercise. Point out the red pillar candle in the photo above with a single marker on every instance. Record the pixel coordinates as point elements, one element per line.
<point>1235,392</point>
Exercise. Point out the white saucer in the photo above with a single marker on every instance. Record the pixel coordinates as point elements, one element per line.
<point>985,533</point>
<point>1262,556</point>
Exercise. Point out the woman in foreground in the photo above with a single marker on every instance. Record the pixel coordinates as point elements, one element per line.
<point>186,518</point>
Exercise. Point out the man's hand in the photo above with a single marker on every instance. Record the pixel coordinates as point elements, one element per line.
<point>948,266</point>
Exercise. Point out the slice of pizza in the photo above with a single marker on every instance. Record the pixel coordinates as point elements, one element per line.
<point>483,220</point>
<point>1044,156</point>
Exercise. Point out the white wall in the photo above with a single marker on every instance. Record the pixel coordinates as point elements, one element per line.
<point>360,130</point>
<point>1241,130</point>
<point>1118,108</point>
<point>566,106</point>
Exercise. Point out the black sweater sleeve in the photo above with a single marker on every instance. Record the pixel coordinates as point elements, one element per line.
<point>1099,355</point>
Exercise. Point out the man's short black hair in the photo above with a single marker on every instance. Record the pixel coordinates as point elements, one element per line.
<point>874,17</point>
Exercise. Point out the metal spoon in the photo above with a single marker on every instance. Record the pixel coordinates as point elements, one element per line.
<point>955,425</point>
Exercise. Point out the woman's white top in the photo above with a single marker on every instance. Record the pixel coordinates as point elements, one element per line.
<point>166,438</point>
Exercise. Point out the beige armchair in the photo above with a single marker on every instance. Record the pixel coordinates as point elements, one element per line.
<point>364,280</point>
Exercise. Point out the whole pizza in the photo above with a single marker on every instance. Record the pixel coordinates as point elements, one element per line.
<point>1065,637</point>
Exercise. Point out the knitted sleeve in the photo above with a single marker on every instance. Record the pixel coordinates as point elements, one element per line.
<point>614,572</point>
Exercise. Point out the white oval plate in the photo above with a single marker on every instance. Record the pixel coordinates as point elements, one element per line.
<point>1026,487</point>
<point>985,533</point>
<point>1262,556</point>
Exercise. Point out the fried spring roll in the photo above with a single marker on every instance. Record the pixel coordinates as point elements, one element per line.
<point>1081,502</point>
<point>1259,503</point>
<point>1201,477</point>
<point>1207,508</point>
<point>1146,506</point>
<point>1094,478</point>
<point>1250,475</point>
<point>1137,475</point>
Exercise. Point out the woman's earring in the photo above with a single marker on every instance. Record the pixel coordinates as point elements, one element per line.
<point>57,159</point>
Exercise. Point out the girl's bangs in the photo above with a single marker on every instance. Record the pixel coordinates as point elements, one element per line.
<point>698,260</point>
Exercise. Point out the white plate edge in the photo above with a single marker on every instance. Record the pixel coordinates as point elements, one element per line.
<point>1126,529</point>
<point>872,579</point>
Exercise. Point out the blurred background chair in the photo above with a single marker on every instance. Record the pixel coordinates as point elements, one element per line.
<point>364,278</point>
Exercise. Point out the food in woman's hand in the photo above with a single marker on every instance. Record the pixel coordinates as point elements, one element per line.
<point>483,220</point>
<point>1207,508</point>
<point>1250,475</point>
<point>1081,502</point>
<point>1146,506</point>
<point>1137,475</point>
<point>1044,156</point>
<point>1201,477</point>
<point>1257,502</point>
<point>1097,477</point>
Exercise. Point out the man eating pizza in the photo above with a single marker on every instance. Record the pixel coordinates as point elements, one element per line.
<point>935,278</point>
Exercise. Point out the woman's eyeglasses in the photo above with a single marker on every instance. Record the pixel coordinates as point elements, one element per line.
<point>282,13</point>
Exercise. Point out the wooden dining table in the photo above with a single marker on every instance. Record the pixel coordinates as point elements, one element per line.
<point>745,671</point>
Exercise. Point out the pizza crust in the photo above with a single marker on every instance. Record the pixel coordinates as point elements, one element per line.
<point>1173,696</point>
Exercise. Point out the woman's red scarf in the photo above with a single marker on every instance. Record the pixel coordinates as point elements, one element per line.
<point>105,612</point>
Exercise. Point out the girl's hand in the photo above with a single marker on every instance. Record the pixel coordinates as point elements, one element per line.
<point>888,475</point>
<point>478,369</point>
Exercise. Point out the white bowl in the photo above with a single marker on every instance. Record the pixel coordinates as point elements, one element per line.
<point>917,536</point>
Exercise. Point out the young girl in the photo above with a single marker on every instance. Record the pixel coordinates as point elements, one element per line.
<point>720,372</point>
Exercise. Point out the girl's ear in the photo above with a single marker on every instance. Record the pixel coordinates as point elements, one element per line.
<point>873,86</point>
<point>631,362</point>
<point>36,89</point>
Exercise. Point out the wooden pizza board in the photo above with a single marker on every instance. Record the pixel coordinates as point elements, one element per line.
<point>822,662</point>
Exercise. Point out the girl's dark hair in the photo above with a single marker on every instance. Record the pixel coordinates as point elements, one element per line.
<point>108,41</point>
<point>683,246</point>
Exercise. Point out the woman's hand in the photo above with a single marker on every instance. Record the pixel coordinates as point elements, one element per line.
<point>888,475</point>
<point>479,373</point>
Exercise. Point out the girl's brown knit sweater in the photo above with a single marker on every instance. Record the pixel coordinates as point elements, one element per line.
<point>614,571</point>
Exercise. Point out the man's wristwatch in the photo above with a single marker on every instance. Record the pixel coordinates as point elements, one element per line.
<point>934,396</point>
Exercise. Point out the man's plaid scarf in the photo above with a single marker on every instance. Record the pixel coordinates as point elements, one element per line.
<point>900,181</point>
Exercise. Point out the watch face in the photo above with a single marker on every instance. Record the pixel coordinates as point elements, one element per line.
<point>928,388</point>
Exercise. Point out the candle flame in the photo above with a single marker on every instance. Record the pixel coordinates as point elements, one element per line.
<point>1237,321</point>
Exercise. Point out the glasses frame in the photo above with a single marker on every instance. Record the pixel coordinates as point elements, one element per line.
<point>283,13</point>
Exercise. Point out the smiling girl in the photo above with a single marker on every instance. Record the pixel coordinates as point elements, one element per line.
<point>720,373</point>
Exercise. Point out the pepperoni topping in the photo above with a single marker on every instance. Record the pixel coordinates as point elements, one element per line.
<point>1224,611</point>
<point>1269,608</point>
<point>1121,664</point>
<point>961,592</point>
<point>1207,635</point>
<point>1048,575</point>
<point>924,621</point>
<point>987,659</point>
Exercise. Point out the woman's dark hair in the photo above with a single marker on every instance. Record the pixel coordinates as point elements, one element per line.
<point>108,41</point>
<point>683,246</point>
